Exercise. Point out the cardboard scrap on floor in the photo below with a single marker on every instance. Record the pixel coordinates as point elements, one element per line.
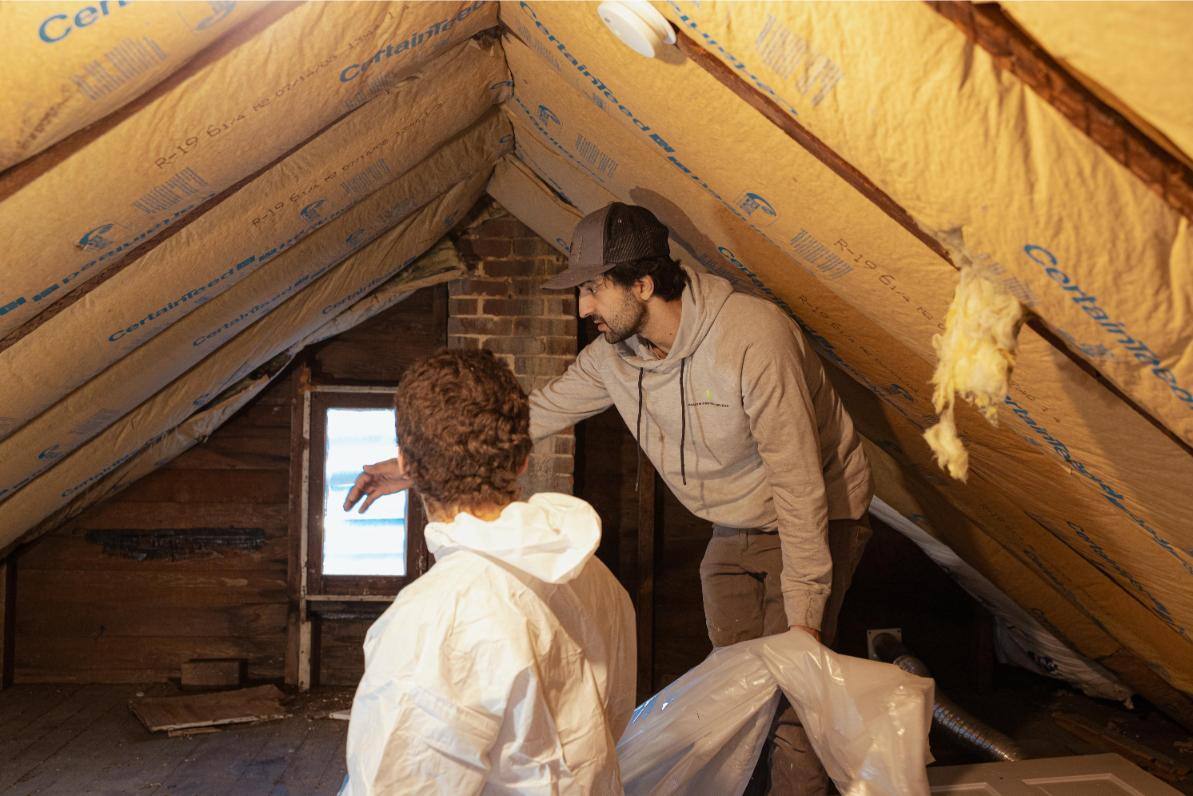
<point>261,703</point>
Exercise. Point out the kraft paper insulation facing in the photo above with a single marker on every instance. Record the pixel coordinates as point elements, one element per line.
<point>1140,56</point>
<point>235,108</point>
<point>276,332</point>
<point>440,264</point>
<point>124,384</point>
<point>978,159</point>
<point>661,133</point>
<point>92,59</point>
<point>229,251</point>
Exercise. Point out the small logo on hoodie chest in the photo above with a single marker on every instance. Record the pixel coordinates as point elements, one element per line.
<point>709,400</point>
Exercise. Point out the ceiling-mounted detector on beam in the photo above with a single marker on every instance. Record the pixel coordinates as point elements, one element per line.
<point>638,24</point>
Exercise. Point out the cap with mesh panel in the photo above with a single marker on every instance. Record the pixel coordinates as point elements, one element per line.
<point>617,233</point>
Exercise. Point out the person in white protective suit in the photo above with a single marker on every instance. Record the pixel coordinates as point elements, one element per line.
<point>509,666</point>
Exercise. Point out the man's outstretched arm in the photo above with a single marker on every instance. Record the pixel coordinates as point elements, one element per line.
<point>375,481</point>
<point>577,394</point>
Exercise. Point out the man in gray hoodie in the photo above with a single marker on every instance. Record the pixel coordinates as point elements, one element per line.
<point>736,414</point>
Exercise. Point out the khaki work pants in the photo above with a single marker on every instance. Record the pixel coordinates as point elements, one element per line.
<point>743,600</point>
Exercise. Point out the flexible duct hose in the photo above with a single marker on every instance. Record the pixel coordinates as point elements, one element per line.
<point>946,713</point>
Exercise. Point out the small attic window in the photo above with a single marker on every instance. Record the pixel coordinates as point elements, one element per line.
<point>348,552</point>
<point>353,543</point>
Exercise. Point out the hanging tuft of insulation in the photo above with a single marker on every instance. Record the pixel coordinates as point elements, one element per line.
<point>975,355</point>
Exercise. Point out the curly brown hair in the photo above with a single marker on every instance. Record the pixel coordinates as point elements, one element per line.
<point>463,429</point>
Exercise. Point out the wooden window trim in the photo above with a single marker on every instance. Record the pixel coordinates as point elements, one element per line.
<point>320,398</point>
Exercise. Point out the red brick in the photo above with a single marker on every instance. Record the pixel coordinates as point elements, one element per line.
<point>555,327</point>
<point>478,287</point>
<point>529,247</point>
<point>559,346</point>
<point>555,304</point>
<point>463,306</point>
<point>532,286</point>
<point>492,247</point>
<point>525,344</point>
<point>515,267</point>
<point>506,227</point>
<point>479,325</point>
<point>506,307</point>
<point>547,367</point>
<point>469,341</point>
<point>464,247</point>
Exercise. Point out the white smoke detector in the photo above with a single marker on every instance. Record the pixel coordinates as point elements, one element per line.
<point>638,24</point>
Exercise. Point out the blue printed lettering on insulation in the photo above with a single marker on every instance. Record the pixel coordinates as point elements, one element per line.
<point>751,202</point>
<point>411,42</point>
<point>1047,572</point>
<point>107,255</point>
<point>199,294</point>
<point>114,465</point>
<point>310,213</point>
<point>219,10</point>
<point>733,60</point>
<point>1112,495</point>
<point>57,27</point>
<point>263,307</point>
<point>360,291</point>
<point>656,138</point>
<point>355,238</point>
<point>1089,305</point>
<point>1161,610</point>
<point>94,240</point>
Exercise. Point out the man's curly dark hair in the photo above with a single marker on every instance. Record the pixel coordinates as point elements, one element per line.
<point>464,429</point>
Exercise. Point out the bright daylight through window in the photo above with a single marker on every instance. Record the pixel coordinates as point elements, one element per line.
<point>353,543</point>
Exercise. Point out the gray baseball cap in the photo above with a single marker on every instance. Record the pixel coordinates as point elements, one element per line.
<point>617,233</point>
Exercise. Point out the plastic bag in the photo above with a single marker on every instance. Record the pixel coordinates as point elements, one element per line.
<point>867,721</point>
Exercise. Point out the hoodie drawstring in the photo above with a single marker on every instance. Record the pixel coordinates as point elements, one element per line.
<point>638,431</point>
<point>683,424</point>
<point>683,427</point>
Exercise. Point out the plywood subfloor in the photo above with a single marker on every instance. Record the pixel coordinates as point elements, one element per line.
<point>73,739</point>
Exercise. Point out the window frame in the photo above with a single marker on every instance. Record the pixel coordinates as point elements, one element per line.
<point>320,398</point>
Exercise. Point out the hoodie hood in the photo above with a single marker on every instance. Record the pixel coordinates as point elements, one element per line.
<point>701,303</point>
<point>549,537</point>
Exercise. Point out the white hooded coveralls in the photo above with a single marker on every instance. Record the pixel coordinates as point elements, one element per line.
<point>508,667</point>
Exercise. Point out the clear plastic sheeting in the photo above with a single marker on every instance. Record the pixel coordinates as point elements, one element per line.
<point>867,721</point>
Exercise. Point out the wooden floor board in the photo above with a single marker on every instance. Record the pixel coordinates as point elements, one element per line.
<point>322,749</point>
<point>76,746</point>
<point>20,706</point>
<point>85,740</point>
<point>73,770</point>
<point>26,749</point>
<point>271,761</point>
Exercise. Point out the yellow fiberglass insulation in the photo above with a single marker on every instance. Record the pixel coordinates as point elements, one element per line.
<point>975,354</point>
